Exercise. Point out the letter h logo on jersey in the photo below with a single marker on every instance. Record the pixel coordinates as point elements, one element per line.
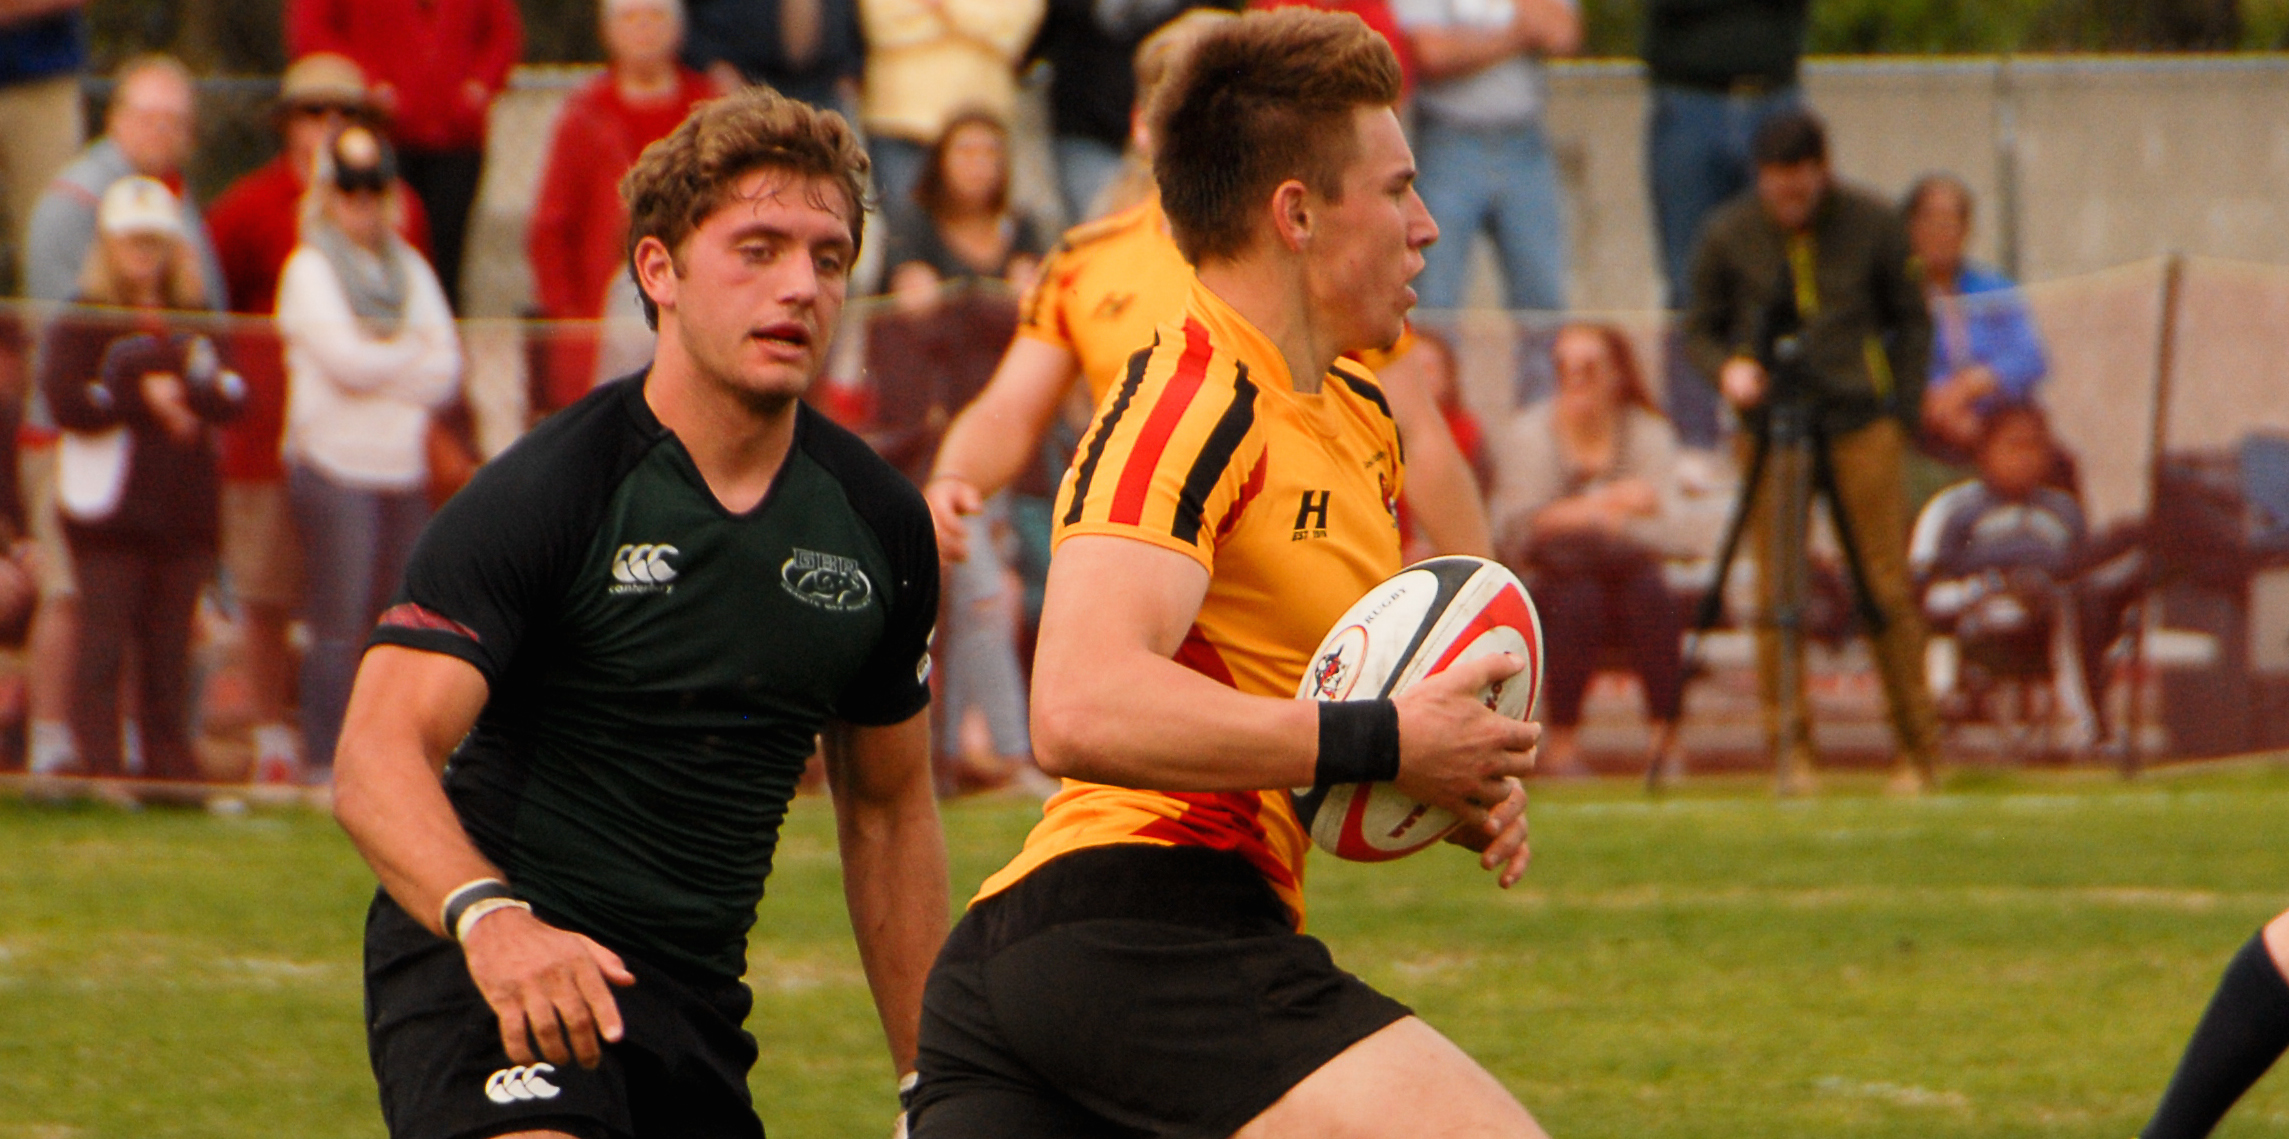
<point>1311,515</point>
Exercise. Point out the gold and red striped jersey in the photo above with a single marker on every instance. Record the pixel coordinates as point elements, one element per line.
<point>1286,498</point>
<point>1104,289</point>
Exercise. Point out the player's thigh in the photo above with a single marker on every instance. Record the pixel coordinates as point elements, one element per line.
<point>1405,1080</point>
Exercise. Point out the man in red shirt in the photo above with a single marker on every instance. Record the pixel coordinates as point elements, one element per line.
<point>578,240</point>
<point>255,225</point>
<point>435,66</point>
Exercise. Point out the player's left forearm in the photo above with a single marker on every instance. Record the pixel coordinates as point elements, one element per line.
<point>894,866</point>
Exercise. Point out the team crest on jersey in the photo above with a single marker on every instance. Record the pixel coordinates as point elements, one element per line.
<point>643,567</point>
<point>826,581</point>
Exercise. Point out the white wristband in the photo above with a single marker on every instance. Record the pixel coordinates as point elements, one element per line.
<point>476,912</point>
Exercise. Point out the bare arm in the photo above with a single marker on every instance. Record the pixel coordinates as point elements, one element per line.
<point>1540,27</point>
<point>1111,706</point>
<point>993,439</point>
<point>408,710</point>
<point>894,865</point>
<point>1439,485</point>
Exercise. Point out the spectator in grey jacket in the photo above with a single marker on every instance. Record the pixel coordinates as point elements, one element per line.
<point>147,131</point>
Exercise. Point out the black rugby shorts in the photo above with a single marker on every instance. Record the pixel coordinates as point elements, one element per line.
<point>1130,990</point>
<point>679,1070</point>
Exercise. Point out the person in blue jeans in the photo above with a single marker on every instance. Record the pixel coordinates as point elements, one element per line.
<point>1719,69</point>
<point>1479,143</point>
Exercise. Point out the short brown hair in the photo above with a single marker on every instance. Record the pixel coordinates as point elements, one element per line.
<point>1263,99</point>
<point>681,179</point>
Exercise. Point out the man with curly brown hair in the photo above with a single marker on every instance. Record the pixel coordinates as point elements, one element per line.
<point>625,634</point>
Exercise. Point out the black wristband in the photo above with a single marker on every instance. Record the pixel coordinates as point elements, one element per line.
<point>459,901</point>
<point>1358,742</point>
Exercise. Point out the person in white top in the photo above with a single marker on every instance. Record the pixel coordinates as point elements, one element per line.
<point>370,350</point>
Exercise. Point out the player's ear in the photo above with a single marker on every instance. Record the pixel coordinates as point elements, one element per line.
<point>656,271</point>
<point>1292,215</point>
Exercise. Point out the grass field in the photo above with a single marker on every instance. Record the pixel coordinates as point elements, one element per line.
<point>2021,956</point>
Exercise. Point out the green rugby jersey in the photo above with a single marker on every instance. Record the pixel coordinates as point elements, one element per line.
<point>658,666</point>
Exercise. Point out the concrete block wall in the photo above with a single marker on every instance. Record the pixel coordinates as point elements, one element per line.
<point>2080,163</point>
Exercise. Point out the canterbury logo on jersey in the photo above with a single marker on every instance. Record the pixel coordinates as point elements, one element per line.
<point>643,568</point>
<point>524,1082</point>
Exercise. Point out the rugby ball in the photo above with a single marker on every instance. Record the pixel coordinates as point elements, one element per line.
<point>1428,617</point>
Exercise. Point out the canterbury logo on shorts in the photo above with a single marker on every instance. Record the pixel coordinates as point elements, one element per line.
<point>525,1082</point>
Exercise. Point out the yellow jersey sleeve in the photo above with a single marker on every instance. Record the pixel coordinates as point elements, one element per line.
<point>1039,315</point>
<point>1173,457</point>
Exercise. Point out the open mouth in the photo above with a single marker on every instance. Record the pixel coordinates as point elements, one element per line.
<point>784,334</point>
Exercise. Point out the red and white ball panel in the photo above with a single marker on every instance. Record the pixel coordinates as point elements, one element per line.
<point>1425,619</point>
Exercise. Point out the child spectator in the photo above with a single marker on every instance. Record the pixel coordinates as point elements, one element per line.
<point>1585,482</point>
<point>927,59</point>
<point>1998,558</point>
<point>435,66</point>
<point>255,226</point>
<point>578,240</point>
<point>806,49</point>
<point>370,350</point>
<point>137,397</point>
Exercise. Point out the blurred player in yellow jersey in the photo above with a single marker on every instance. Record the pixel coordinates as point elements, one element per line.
<point>1099,296</point>
<point>1139,968</point>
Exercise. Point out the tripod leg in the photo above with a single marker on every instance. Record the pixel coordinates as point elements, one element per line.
<point>1713,603</point>
<point>1784,566</point>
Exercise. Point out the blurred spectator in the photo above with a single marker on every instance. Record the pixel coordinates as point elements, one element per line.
<point>1429,364</point>
<point>928,357</point>
<point>1484,160</point>
<point>1996,559</point>
<point>1088,45</point>
<point>1834,260</point>
<point>370,349</point>
<point>958,224</point>
<point>1720,69</point>
<point>43,48</point>
<point>1586,484</point>
<point>808,49</point>
<point>1378,15</point>
<point>137,400</point>
<point>434,66</point>
<point>255,226</point>
<point>147,131</point>
<point>927,59</point>
<point>1985,353</point>
<point>578,237</point>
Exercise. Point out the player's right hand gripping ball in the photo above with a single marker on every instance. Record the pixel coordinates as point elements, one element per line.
<point>1418,623</point>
